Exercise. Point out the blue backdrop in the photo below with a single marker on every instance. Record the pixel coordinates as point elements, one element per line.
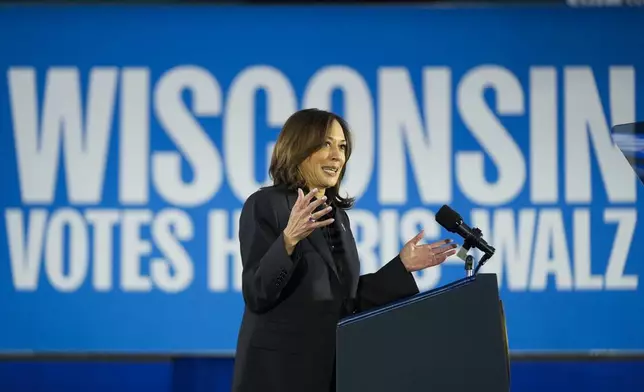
<point>130,137</point>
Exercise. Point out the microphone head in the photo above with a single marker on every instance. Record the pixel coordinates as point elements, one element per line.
<point>448,218</point>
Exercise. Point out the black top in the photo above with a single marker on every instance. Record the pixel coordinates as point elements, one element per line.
<point>332,235</point>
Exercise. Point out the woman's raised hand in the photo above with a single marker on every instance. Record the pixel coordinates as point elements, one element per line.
<point>416,257</point>
<point>303,220</point>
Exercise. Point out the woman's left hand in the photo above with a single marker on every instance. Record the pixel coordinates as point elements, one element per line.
<point>416,257</point>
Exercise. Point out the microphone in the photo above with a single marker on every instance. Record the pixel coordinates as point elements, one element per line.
<point>453,222</point>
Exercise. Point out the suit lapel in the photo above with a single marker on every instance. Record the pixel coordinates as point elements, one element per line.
<point>350,251</point>
<point>316,238</point>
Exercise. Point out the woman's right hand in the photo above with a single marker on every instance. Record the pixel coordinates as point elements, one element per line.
<point>303,220</point>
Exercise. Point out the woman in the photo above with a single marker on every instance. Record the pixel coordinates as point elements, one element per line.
<point>301,272</point>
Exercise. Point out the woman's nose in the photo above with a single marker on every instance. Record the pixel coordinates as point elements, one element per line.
<point>336,153</point>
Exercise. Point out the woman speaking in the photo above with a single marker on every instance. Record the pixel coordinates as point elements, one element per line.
<point>301,271</point>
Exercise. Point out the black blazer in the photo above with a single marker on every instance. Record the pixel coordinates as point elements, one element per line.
<point>287,337</point>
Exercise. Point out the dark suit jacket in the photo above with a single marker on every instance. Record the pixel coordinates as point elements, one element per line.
<point>287,338</point>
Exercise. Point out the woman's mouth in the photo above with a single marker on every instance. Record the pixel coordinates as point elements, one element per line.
<point>330,170</point>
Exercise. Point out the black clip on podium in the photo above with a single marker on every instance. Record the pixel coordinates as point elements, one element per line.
<point>452,338</point>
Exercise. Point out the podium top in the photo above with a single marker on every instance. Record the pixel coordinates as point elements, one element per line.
<point>415,298</point>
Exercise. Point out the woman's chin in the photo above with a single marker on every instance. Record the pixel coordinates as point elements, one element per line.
<point>328,182</point>
<point>331,183</point>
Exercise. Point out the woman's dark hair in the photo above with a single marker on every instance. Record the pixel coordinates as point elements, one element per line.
<point>303,134</point>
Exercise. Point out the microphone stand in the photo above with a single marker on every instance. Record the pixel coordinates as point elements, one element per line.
<point>469,261</point>
<point>470,241</point>
<point>485,258</point>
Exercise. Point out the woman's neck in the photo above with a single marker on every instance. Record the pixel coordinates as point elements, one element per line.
<point>320,193</point>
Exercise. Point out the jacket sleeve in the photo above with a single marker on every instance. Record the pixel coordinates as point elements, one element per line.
<point>390,283</point>
<point>266,265</point>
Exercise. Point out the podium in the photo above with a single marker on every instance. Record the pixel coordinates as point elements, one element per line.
<point>452,338</point>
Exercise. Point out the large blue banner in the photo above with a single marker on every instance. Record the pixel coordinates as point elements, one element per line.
<point>130,138</point>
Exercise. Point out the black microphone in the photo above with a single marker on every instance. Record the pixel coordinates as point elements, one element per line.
<point>453,222</point>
